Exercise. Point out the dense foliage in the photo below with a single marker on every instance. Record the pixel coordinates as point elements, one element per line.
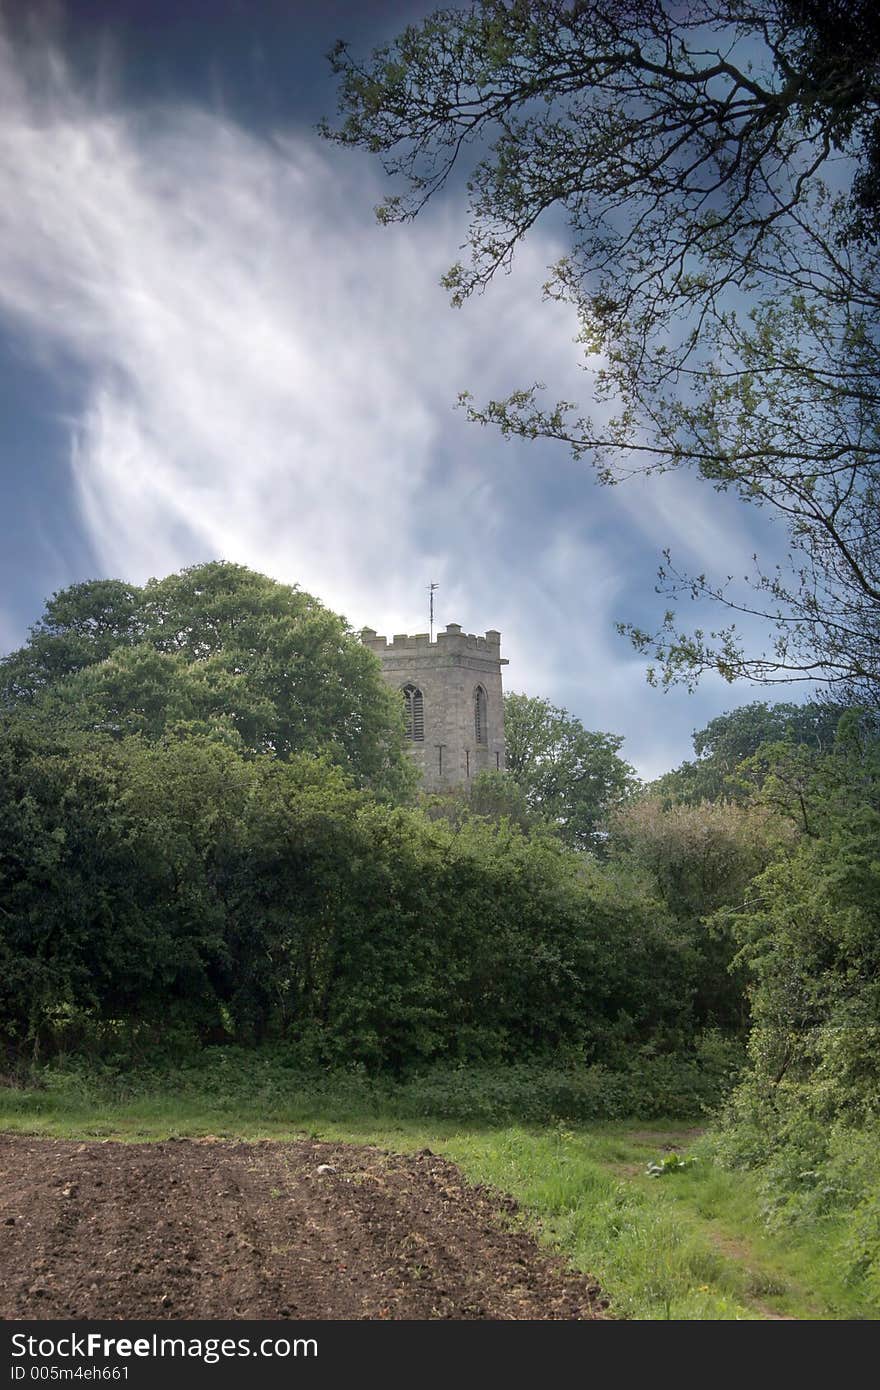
<point>699,859</point>
<point>218,650</point>
<point>177,887</point>
<point>205,836</point>
<point>728,742</point>
<point>568,775</point>
<point>807,1113</point>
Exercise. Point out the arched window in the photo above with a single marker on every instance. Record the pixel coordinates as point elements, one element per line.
<point>481,722</point>
<point>414,713</point>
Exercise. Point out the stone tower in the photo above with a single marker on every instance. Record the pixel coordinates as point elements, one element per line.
<point>451,690</point>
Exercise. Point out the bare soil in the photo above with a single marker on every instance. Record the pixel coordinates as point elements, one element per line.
<point>206,1229</point>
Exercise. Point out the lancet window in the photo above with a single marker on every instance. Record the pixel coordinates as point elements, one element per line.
<point>414,713</point>
<point>481,723</point>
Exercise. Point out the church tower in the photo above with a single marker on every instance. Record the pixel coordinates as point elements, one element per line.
<point>452,697</point>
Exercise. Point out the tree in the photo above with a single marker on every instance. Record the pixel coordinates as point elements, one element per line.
<point>787,418</point>
<point>490,795</point>
<point>812,786</point>
<point>730,739</point>
<point>807,1107</point>
<point>729,295</point>
<point>81,625</point>
<point>570,776</point>
<point>699,859</point>
<point>219,647</point>
<point>840,54</point>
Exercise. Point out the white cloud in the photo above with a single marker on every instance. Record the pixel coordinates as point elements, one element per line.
<point>701,527</point>
<point>268,373</point>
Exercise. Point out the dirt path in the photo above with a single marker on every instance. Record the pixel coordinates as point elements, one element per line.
<point>203,1229</point>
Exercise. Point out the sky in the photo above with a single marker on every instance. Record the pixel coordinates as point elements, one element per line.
<point>210,349</point>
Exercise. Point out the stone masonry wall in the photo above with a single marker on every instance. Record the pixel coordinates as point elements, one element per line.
<point>447,672</point>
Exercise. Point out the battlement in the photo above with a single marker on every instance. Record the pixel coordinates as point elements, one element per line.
<point>450,642</point>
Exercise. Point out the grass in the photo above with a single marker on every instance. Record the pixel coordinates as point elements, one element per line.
<point>689,1245</point>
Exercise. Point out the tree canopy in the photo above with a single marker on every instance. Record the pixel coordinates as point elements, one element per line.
<point>572,777</point>
<point>717,167</point>
<point>217,649</point>
<point>730,740</point>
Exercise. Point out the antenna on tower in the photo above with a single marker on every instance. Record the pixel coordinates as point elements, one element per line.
<point>431,588</point>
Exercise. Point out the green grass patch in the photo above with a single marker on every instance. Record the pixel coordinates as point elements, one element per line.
<point>687,1245</point>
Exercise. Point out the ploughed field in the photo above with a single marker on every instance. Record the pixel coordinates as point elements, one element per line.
<point>208,1229</point>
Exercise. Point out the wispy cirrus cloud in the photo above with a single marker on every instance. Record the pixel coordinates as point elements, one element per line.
<point>267,375</point>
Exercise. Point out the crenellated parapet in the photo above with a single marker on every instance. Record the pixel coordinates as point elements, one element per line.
<point>450,642</point>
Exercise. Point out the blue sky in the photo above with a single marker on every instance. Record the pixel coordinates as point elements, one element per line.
<point>209,348</point>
